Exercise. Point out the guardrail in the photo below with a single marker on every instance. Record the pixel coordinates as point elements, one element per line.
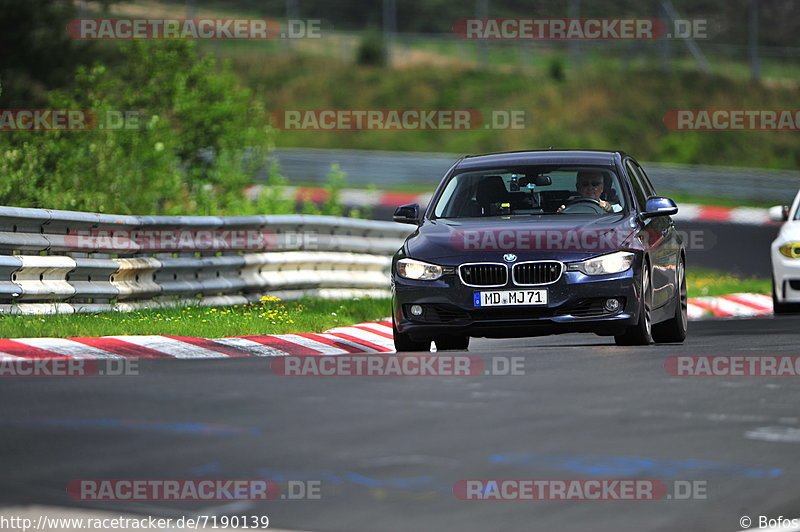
<point>65,262</point>
<point>364,167</point>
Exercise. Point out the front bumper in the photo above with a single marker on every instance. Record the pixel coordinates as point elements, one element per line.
<point>786,273</point>
<point>575,304</point>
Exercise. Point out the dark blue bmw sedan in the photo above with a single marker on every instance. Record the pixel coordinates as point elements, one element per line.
<point>540,242</point>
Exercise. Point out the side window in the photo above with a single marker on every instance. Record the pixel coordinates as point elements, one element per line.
<point>636,184</point>
<point>648,185</point>
<point>445,203</point>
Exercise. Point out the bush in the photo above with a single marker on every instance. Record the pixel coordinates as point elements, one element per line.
<point>371,50</point>
<point>198,141</point>
<point>556,69</point>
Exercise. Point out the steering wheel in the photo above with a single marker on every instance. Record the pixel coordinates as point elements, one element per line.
<point>584,205</point>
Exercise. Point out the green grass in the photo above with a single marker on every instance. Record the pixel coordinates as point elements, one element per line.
<point>617,109</point>
<point>614,99</point>
<point>717,201</point>
<point>277,317</point>
<point>540,55</point>
<point>266,317</point>
<point>702,282</point>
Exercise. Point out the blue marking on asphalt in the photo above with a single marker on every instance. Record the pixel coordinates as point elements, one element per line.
<point>618,466</point>
<point>281,476</point>
<point>205,469</point>
<point>397,482</point>
<point>328,477</point>
<point>138,425</point>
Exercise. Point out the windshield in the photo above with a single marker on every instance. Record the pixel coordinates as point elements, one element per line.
<point>556,190</point>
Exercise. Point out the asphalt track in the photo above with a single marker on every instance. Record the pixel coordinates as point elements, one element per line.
<point>387,451</point>
<point>734,248</point>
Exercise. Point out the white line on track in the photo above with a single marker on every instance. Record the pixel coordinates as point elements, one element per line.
<point>254,348</point>
<point>759,301</point>
<point>324,349</point>
<point>70,348</point>
<point>729,307</point>
<point>358,346</point>
<point>364,335</point>
<point>386,329</point>
<point>171,347</point>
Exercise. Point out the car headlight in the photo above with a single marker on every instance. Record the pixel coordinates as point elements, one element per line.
<point>791,250</point>
<point>611,263</point>
<point>418,270</point>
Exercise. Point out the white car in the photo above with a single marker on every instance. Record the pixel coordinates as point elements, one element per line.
<point>785,255</point>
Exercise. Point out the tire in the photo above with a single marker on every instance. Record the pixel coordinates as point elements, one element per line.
<point>452,343</point>
<point>642,332</point>
<point>782,308</point>
<point>403,342</point>
<point>674,329</point>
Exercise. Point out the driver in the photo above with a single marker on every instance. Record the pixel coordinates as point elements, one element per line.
<point>590,185</point>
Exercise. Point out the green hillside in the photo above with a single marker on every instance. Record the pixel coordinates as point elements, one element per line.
<point>597,108</point>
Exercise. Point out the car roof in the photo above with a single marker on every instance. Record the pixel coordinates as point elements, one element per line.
<point>531,157</point>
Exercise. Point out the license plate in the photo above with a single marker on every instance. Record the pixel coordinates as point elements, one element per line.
<point>499,298</point>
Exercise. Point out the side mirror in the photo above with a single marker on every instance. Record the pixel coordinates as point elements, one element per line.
<point>659,206</point>
<point>779,213</point>
<point>407,214</point>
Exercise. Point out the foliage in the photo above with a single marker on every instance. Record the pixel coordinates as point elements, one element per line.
<point>371,50</point>
<point>35,51</point>
<point>601,107</point>
<point>556,69</point>
<point>193,141</point>
<point>727,17</point>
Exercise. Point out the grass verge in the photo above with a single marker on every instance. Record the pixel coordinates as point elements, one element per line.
<point>269,316</point>
<point>278,317</point>
<point>718,201</point>
<point>702,282</point>
<point>626,111</point>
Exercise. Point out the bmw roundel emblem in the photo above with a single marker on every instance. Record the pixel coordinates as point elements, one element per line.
<point>509,257</point>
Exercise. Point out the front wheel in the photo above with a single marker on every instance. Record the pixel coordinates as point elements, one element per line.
<point>674,329</point>
<point>403,342</point>
<point>641,333</point>
<point>782,308</point>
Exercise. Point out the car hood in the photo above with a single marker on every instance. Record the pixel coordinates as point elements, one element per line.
<point>566,238</point>
<point>790,231</point>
